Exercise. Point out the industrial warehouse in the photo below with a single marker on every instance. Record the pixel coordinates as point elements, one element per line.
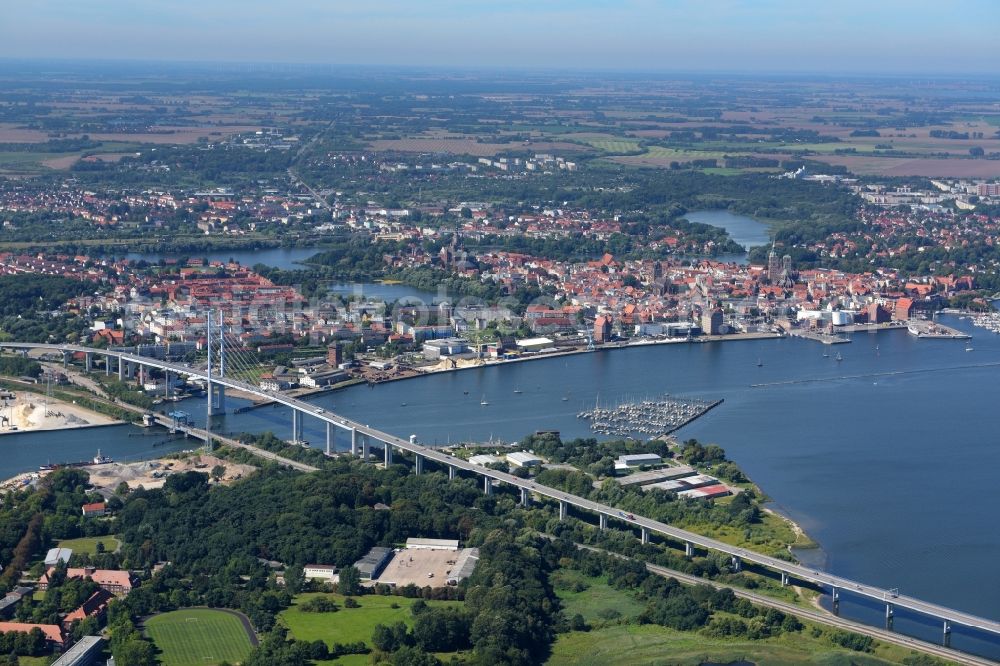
<point>422,562</point>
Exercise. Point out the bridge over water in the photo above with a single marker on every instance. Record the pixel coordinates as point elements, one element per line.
<point>363,437</point>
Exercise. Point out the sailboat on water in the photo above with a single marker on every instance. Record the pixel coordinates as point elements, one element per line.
<point>483,402</point>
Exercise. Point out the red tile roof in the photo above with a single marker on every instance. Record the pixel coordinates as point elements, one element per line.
<point>53,632</point>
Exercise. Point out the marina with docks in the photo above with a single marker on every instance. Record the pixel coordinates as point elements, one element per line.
<point>655,417</point>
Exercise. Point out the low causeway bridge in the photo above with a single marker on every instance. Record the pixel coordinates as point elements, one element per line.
<point>363,438</point>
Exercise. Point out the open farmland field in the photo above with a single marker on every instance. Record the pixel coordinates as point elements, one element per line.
<point>658,156</point>
<point>901,166</point>
<point>106,157</point>
<point>12,133</point>
<point>37,161</point>
<point>177,135</point>
<point>199,636</point>
<point>63,162</point>
<point>606,142</point>
<point>467,146</point>
<point>181,135</point>
<point>17,162</point>
<point>787,146</point>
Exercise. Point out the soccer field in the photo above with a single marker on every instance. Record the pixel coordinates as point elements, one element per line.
<point>198,637</point>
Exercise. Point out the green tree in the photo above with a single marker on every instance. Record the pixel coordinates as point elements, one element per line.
<point>135,652</point>
<point>411,656</point>
<point>349,581</point>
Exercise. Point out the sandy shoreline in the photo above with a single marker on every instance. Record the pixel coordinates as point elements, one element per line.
<point>30,412</point>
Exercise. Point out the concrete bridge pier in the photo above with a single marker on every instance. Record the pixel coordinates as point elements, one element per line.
<point>121,370</point>
<point>88,362</point>
<point>603,517</point>
<point>365,446</point>
<point>890,613</point>
<point>835,597</point>
<point>563,508</point>
<point>354,441</point>
<point>329,438</point>
<point>525,497</point>
<point>737,564</point>
<point>67,355</point>
<point>688,549</point>
<point>644,534</point>
<point>129,369</point>
<point>784,578</point>
<point>296,424</point>
<point>946,634</point>
<point>388,454</point>
<point>487,485</point>
<point>418,464</point>
<point>452,472</point>
<point>217,396</point>
<point>107,366</point>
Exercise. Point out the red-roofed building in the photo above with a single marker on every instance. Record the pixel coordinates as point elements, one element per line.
<point>112,337</point>
<point>94,509</point>
<point>53,633</point>
<point>904,309</point>
<point>602,329</point>
<point>118,583</point>
<point>95,606</point>
<point>877,314</point>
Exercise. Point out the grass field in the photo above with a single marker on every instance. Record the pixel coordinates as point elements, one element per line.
<point>88,545</point>
<point>198,637</point>
<point>660,156</point>
<point>598,602</point>
<point>464,146</point>
<point>350,624</point>
<point>607,142</point>
<point>28,160</point>
<point>33,661</point>
<point>650,644</point>
<point>615,145</point>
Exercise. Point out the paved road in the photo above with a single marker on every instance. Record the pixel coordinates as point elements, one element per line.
<point>294,176</point>
<point>647,525</point>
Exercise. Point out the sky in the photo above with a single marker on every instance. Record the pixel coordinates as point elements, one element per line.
<point>876,36</point>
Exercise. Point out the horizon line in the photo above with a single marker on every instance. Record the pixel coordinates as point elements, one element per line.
<point>305,66</point>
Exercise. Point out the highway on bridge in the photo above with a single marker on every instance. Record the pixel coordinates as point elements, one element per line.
<point>646,525</point>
